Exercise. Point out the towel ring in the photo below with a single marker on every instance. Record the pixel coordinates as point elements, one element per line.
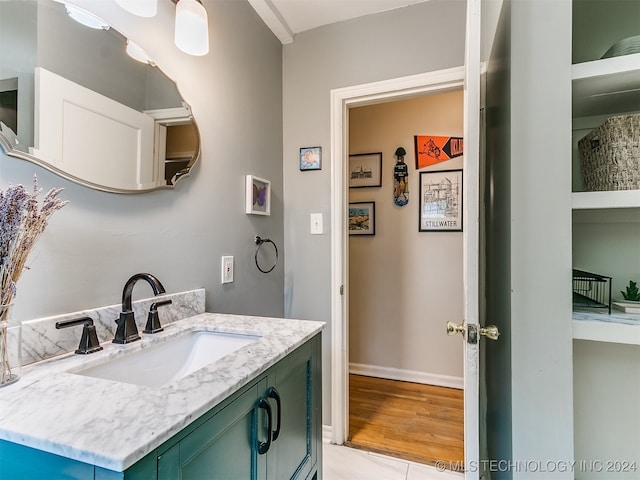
<point>259,243</point>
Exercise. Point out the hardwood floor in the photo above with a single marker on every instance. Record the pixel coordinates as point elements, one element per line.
<point>420,423</point>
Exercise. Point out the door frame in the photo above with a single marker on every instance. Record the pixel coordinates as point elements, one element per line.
<point>341,100</point>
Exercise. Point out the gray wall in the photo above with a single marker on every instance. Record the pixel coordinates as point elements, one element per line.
<point>97,241</point>
<point>598,24</point>
<point>421,38</point>
<point>18,31</point>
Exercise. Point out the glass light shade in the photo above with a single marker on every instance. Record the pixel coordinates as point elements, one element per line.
<point>192,28</point>
<point>85,18</point>
<point>141,8</point>
<point>136,52</point>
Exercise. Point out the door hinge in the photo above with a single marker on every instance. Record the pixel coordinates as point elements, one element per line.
<point>341,289</point>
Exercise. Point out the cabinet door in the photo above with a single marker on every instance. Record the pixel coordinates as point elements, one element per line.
<point>293,453</point>
<point>223,448</point>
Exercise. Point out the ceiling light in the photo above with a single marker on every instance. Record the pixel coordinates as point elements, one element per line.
<point>136,52</point>
<point>141,8</point>
<point>192,27</point>
<point>85,18</point>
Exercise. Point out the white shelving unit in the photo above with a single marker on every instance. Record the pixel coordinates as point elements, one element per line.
<point>609,331</point>
<point>606,240</point>
<point>605,200</point>
<point>606,87</point>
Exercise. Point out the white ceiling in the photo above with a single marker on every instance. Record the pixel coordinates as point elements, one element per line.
<point>288,17</point>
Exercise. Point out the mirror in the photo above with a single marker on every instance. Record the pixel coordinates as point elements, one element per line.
<point>73,102</point>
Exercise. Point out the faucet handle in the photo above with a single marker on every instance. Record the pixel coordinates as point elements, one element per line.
<point>153,321</point>
<point>89,341</point>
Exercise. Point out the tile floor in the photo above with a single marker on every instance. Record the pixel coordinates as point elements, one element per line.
<point>344,463</point>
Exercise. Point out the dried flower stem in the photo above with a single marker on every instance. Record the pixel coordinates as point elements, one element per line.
<point>22,221</point>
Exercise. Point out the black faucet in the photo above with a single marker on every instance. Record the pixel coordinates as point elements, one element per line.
<point>127,331</point>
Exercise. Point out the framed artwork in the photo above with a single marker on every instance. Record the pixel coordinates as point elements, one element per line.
<point>362,218</point>
<point>257,196</point>
<point>310,158</point>
<point>431,149</point>
<point>441,201</point>
<point>365,170</point>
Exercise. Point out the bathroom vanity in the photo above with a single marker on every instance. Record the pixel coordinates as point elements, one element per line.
<point>255,413</point>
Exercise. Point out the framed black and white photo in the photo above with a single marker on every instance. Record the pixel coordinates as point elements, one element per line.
<point>257,196</point>
<point>441,201</point>
<point>362,218</point>
<point>365,170</point>
<point>310,158</point>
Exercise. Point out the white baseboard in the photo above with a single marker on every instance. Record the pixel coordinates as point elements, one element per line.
<point>326,433</point>
<point>407,375</point>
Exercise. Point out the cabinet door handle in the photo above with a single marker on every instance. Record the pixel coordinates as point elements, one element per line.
<point>263,447</point>
<point>273,393</point>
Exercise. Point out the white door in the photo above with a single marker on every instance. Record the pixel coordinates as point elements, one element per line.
<point>470,328</point>
<point>471,236</point>
<point>90,136</point>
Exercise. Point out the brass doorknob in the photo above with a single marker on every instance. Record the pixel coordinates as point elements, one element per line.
<point>490,331</point>
<point>454,328</point>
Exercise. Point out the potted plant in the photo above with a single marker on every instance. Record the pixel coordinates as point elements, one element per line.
<point>632,293</point>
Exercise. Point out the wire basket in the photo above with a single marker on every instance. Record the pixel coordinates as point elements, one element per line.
<point>610,155</point>
<point>591,290</point>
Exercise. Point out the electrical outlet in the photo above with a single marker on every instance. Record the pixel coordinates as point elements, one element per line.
<point>227,269</point>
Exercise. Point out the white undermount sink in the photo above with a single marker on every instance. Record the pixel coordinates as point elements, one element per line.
<point>171,359</point>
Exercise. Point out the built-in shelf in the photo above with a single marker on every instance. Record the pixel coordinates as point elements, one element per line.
<point>607,86</point>
<point>604,200</point>
<point>591,71</point>
<point>615,328</point>
<point>606,332</point>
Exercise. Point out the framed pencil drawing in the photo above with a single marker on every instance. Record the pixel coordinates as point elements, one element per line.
<point>441,201</point>
<point>365,170</point>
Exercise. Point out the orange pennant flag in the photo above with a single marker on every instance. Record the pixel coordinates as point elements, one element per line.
<point>431,149</point>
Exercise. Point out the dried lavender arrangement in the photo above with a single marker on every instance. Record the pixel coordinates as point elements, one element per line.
<point>22,221</point>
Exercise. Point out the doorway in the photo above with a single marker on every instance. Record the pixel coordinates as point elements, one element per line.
<point>406,375</point>
<point>342,100</point>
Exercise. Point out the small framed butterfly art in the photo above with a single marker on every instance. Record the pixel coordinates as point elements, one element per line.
<point>258,196</point>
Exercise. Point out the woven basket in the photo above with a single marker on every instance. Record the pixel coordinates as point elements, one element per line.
<point>610,155</point>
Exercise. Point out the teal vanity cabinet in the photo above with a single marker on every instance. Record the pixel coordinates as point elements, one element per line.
<point>234,440</point>
<point>221,448</point>
<point>295,451</point>
<point>269,430</point>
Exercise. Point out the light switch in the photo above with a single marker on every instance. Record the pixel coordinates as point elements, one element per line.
<point>316,223</point>
<point>227,269</point>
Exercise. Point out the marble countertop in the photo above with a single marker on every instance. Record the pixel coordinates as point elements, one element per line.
<point>114,424</point>
<point>602,316</point>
